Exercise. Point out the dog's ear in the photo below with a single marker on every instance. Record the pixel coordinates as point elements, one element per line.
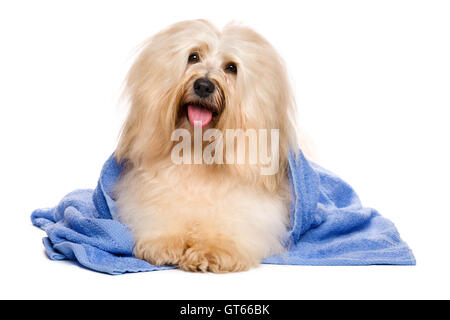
<point>153,91</point>
<point>128,136</point>
<point>150,120</point>
<point>153,87</point>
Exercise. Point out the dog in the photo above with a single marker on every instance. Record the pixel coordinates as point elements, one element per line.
<point>205,217</point>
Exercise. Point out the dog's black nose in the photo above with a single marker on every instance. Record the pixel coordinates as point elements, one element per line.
<point>203,87</point>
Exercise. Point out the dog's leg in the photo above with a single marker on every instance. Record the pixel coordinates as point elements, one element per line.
<point>217,255</point>
<point>166,250</point>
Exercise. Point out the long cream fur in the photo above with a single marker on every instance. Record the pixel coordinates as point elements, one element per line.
<point>217,218</point>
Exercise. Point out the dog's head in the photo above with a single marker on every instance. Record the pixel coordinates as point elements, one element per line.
<point>192,74</point>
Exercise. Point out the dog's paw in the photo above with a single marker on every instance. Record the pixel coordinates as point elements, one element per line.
<point>160,251</point>
<point>214,256</point>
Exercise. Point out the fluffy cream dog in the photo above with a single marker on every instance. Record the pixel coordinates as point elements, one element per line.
<point>217,218</point>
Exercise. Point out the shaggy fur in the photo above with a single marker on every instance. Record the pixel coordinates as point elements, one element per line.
<point>217,218</point>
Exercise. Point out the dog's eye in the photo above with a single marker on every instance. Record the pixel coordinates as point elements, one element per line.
<point>231,68</point>
<point>194,58</point>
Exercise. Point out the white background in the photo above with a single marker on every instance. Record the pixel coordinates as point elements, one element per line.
<point>372,81</point>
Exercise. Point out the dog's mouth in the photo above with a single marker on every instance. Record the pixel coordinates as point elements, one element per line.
<point>200,114</point>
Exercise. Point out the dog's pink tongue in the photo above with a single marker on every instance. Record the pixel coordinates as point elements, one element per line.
<point>199,117</point>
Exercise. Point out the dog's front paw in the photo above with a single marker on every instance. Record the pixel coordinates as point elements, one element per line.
<point>160,251</point>
<point>214,256</point>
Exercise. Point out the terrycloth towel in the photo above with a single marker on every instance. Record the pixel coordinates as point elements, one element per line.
<point>329,226</point>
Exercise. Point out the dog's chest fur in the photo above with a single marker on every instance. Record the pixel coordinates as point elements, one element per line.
<point>192,201</point>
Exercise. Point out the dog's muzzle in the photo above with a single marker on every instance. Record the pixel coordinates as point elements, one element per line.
<point>201,104</point>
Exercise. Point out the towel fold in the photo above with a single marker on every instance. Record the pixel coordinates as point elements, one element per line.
<point>329,226</point>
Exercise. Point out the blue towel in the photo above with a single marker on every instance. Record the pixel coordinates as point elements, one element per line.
<point>329,226</point>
